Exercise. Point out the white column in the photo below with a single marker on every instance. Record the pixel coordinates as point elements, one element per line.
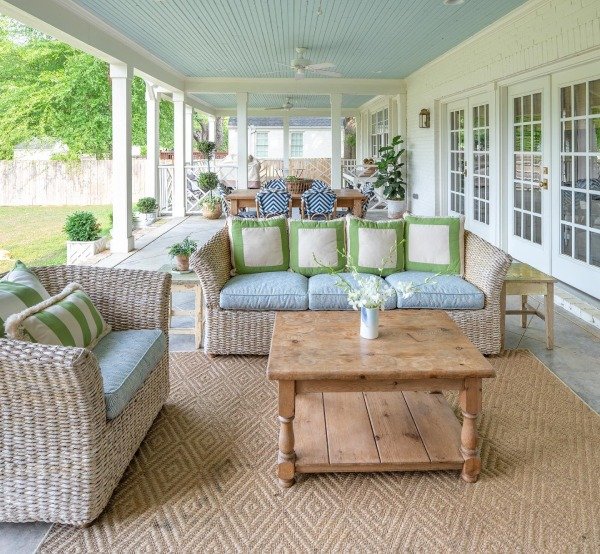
<point>359,139</point>
<point>152,140</point>
<point>212,128</point>
<point>242,138</point>
<point>189,134</point>
<point>286,144</point>
<point>336,140</point>
<point>179,155</point>
<point>121,76</point>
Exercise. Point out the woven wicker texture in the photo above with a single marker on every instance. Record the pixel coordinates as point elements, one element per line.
<point>204,478</point>
<point>60,459</point>
<point>249,333</point>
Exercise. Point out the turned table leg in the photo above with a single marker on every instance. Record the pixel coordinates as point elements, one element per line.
<point>470,404</point>
<point>287,457</point>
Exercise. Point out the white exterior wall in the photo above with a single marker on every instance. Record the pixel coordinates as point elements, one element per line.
<point>317,141</point>
<point>539,34</point>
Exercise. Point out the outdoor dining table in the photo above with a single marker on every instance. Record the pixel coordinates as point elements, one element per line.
<point>346,198</point>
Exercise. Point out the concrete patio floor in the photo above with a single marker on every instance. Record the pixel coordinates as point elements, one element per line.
<point>574,359</point>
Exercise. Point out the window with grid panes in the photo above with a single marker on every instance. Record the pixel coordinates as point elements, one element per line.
<point>296,144</point>
<point>379,131</point>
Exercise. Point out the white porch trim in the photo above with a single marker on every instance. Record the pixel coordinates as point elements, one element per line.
<point>189,134</point>
<point>179,140</point>
<point>152,139</point>
<point>121,76</point>
<point>242,138</point>
<point>286,143</point>
<point>336,140</point>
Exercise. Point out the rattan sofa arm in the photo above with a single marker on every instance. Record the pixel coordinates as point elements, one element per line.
<point>212,264</point>
<point>485,266</point>
<point>126,298</point>
<point>51,397</point>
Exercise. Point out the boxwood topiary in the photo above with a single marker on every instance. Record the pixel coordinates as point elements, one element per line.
<point>146,205</point>
<point>82,226</point>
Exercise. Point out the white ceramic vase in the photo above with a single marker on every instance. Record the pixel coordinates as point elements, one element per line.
<point>396,208</point>
<point>369,323</point>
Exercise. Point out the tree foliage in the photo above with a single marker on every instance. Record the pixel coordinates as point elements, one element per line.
<point>49,89</point>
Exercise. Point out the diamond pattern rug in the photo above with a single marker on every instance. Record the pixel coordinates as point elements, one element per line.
<point>204,478</point>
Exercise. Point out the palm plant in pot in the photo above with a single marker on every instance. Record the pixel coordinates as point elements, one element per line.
<point>181,252</point>
<point>208,181</point>
<point>390,177</point>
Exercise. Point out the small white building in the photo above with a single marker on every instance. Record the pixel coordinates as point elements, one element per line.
<point>310,137</point>
<point>37,149</point>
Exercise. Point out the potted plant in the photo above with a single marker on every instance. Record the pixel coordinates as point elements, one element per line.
<point>83,237</point>
<point>146,211</point>
<point>208,182</point>
<point>390,178</point>
<point>182,251</point>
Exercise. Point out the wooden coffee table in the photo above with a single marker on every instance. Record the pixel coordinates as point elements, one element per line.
<point>352,404</point>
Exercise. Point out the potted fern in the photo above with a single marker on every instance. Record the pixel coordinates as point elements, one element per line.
<point>181,252</point>
<point>390,177</point>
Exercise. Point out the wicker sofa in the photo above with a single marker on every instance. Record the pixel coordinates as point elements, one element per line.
<point>60,457</point>
<point>249,332</point>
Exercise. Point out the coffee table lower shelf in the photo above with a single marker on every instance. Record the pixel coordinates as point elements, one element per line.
<point>375,431</point>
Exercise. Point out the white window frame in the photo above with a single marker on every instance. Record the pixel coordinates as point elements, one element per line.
<point>379,130</point>
<point>292,145</point>
<point>257,152</point>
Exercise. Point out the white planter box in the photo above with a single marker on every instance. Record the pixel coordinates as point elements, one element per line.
<point>77,251</point>
<point>143,220</point>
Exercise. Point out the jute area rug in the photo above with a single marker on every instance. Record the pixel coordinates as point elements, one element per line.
<point>204,478</point>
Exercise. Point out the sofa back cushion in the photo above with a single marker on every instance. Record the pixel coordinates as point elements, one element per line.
<point>376,246</point>
<point>317,246</point>
<point>258,245</point>
<point>67,319</point>
<point>19,289</point>
<point>435,244</point>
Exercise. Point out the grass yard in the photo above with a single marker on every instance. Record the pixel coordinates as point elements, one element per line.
<point>34,235</point>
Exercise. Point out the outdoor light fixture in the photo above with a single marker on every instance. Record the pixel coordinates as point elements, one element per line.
<point>424,118</point>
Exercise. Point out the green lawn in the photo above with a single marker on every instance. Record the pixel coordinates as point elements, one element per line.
<point>34,235</point>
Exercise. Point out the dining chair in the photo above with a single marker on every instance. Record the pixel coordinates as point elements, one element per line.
<point>273,202</point>
<point>318,204</point>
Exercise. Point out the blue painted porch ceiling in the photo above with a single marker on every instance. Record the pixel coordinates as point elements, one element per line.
<point>269,100</point>
<point>251,38</point>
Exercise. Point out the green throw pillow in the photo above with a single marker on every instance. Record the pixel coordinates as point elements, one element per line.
<point>259,245</point>
<point>376,244</point>
<point>435,244</point>
<point>67,319</point>
<point>19,289</point>
<point>317,246</point>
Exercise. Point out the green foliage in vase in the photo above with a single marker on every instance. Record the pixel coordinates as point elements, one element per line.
<point>184,248</point>
<point>390,171</point>
<point>146,205</point>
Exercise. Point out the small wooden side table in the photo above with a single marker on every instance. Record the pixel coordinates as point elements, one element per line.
<point>186,282</point>
<point>523,280</point>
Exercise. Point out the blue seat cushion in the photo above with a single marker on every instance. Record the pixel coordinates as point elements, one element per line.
<point>443,292</point>
<point>324,294</point>
<point>126,360</point>
<point>275,290</point>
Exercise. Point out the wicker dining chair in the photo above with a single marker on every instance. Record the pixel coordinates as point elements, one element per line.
<point>60,457</point>
<point>318,204</point>
<point>273,203</point>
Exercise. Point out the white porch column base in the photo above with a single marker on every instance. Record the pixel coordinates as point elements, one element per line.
<point>242,137</point>
<point>152,140</point>
<point>336,140</point>
<point>179,141</point>
<point>212,128</point>
<point>286,143</point>
<point>189,134</point>
<point>121,76</point>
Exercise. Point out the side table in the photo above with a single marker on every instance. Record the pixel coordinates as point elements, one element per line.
<point>523,280</point>
<point>186,282</point>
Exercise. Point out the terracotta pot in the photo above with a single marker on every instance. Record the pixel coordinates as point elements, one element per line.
<point>212,213</point>
<point>182,263</point>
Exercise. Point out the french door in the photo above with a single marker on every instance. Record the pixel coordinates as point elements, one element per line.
<point>529,151</point>
<point>472,182</point>
<point>576,196</point>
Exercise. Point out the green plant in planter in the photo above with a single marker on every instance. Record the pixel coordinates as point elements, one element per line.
<point>292,178</point>
<point>211,201</point>
<point>390,171</point>
<point>184,248</point>
<point>146,205</point>
<point>208,181</point>
<point>82,227</point>
<point>208,148</point>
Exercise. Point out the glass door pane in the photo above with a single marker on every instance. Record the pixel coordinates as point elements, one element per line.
<point>456,164</point>
<point>480,162</point>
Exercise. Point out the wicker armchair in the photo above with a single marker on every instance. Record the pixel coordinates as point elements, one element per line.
<point>249,332</point>
<point>60,459</point>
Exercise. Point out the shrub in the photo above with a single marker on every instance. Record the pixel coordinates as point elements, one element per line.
<point>208,181</point>
<point>82,226</point>
<point>146,205</point>
<point>210,201</point>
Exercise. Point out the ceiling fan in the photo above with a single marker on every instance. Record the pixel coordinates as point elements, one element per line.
<point>287,105</point>
<point>301,65</point>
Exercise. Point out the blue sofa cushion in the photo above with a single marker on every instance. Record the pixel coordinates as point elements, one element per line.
<point>324,294</point>
<point>126,360</point>
<point>444,292</point>
<point>275,290</point>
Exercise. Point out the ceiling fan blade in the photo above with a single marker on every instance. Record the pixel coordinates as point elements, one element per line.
<point>327,73</point>
<point>279,108</point>
<point>317,66</point>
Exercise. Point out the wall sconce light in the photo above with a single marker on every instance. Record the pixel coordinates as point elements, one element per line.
<point>424,118</point>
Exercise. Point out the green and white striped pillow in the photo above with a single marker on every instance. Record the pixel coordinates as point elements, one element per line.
<point>19,289</point>
<point>67,319</point>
